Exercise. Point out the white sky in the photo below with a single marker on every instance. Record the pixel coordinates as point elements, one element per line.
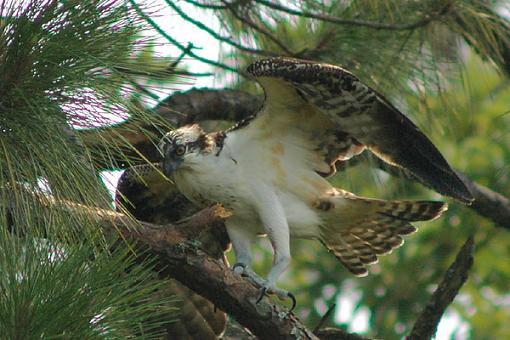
<point>186,32</point>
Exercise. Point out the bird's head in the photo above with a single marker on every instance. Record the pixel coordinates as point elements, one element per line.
<point>184,147</point>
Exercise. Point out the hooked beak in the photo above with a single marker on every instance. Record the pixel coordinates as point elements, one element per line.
<point>170,165</point>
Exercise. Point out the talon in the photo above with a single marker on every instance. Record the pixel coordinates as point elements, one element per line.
<point>263,291</point>
<point>235,268</point>
<point>294,302</point>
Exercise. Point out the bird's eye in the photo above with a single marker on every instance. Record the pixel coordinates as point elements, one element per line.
<point>180,150</point>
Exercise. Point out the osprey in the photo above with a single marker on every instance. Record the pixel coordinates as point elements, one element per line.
<point>270,170</point>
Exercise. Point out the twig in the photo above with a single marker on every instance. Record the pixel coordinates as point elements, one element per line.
<point>174,64</point>
<point>216,35</point>
<point>254,26</point>
<point>426,324</point>
<point>207,6</point>
<point>180,46</point>
<point>354,22</point>
<point>324,318</point>
<point>194,74</point>
<point>140,87</point>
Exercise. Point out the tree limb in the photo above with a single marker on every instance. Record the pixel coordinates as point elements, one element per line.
<point>210,278</point>
<point>426,324</point>
<point>184,260</point>
<point>488,203</point>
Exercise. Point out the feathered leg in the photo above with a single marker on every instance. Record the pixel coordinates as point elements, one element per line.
<point>242,239</point>
<point>275,224</point>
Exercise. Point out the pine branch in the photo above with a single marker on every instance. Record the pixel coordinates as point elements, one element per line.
<point>355,22</point>
<point>245,19</point>
<point>426,324</point>
<point>215,35</point>
<point>486,32</point>
<point>183,48</point>
<point>182,257</point>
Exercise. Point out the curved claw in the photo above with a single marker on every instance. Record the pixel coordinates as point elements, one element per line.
<point>291,296</point>
<point>294,302</point>
<point>263,291</point>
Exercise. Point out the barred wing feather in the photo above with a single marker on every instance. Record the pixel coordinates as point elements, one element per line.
<point>353,117</point>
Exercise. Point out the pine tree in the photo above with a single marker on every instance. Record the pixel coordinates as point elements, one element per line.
<point>445,63</point>
<point>61,68</point>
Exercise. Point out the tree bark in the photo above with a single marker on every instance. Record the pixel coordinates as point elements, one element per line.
<point>426,324</point>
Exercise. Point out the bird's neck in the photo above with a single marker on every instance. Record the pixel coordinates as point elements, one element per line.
<point>216,142</point>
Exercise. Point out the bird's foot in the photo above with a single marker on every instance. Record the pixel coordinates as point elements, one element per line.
<point>282,294</point>
<point>266,288</point>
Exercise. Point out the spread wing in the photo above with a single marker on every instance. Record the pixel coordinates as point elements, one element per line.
<point>346,116</point>
<point>145,193</point>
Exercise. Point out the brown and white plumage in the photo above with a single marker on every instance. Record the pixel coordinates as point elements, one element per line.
<point>270,170</point>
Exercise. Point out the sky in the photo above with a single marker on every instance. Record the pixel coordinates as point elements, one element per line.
<point>175,26</point>
<point>451,325</point>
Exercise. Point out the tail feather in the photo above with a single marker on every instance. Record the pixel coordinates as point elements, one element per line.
<point>357,230</point>
<point>360,248</point>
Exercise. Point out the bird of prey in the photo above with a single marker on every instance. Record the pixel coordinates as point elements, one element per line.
<point>270,170</point>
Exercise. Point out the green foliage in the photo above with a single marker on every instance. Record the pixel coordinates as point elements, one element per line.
<point>49,292</point>
<point>65,64</point>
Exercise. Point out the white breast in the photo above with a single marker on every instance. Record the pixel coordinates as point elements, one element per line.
<point>244,165</point>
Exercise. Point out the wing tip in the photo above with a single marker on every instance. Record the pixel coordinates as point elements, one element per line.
<point>457,188</point>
